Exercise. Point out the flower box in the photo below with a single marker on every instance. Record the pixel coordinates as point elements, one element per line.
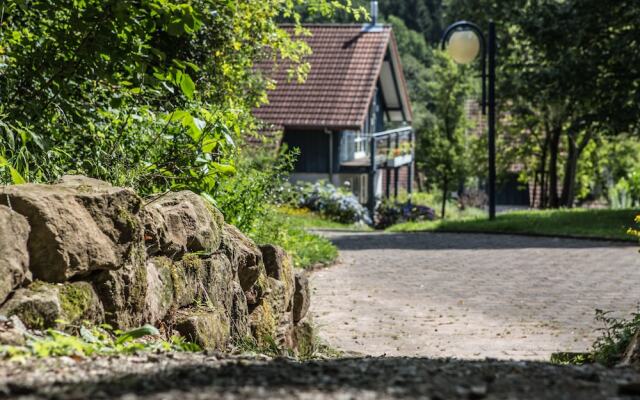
<point>400,160</point>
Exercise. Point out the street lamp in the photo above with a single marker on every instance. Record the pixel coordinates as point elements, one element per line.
<point>463,41</point>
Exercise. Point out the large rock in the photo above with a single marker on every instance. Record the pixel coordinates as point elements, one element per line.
<point>208,327</point>
<point>203,280</point>
<point>44,305</point>
<point>243,254</point>
<point>270,321</point>
<point>301,298</point>
<point>160,294</point>
<point>77,227</point>
<point>239,314</point>
<point>124,292</point>
<point>279,266</point>
<point>14,257</point>
<point>181,222</point>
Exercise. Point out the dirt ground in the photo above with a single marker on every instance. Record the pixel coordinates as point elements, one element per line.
<point>206,376</point>
<point>471,296</point>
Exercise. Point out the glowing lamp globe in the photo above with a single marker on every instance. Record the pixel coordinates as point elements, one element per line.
<point>463,46</point>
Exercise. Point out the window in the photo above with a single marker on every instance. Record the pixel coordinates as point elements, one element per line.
<point>360,141</point>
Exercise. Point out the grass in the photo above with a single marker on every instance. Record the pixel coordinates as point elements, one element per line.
<point>290,232</point>
<point>434,200</point>
<point>584,223</point>
<point>309,220</point>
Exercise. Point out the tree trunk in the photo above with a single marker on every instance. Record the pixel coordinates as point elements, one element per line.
<point>568,184</point>
<point>571,167</point>
<point>543,168</point>
<point>445,189</point>
<point>554,148</point>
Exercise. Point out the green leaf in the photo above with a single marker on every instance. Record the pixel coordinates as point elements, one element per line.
<point>146,330</point>
<point>187,86</point>
<point>225,169</point>
<point>16,178</point>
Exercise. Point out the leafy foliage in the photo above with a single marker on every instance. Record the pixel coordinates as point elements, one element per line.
<point>307,249</point>
<point>635,231</point>
<point>337,204</point>
<point>97,340</point>
<point>443,150</point>
<point>610,346</point>
<point>245,198</point>
<point>390,213</point>
<point>566,79</point>
<point>155,95</point>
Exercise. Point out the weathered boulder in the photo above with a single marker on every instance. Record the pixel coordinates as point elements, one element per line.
<point>203,280</point>
<point>239,314</point>
<point>301,297</point>
<point>124,292</point>
<point>208,327</point>
<point>243,254</point>
<point>160,294</point>
<point>80,181</point>
<point>12,331</point>
<point>270,321</point>
<point>14,257</point>
<point>181,222</point>
<point>45,305</point>
<point>279,265</point>
<point>76,227</point>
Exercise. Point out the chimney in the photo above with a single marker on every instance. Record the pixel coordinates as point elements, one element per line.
<point>374,12</point>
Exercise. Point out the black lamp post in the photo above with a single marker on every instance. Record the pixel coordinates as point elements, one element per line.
<point>463,41</point>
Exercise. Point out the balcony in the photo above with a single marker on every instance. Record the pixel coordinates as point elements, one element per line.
<point>382,150</point>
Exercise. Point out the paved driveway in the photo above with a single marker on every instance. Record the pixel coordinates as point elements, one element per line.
<point>469,295</point>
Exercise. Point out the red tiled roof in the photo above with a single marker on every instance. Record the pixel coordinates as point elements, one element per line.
<point>345,66</point>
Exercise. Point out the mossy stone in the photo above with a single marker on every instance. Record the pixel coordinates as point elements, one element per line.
<point>45,305</point>
<point>207,327</point>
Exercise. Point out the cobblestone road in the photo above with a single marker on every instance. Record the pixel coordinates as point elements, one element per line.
<point>471,296</point>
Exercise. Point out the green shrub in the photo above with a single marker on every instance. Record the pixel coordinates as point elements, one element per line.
<point>610,346</point>
<point>307,249</point>
<point>154,95</point>
<point>245,197</point>
<point>335,203</point>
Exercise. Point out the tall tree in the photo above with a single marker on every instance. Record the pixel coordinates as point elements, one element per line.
<point>573,65</point>
<point>443,149</point>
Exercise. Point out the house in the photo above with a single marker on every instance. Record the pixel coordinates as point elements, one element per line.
<point>351,118</point>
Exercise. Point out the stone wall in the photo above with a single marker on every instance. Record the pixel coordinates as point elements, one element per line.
<point>83,250</point>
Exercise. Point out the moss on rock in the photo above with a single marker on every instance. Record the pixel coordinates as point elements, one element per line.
<point>207,327</point>
<point>44,305</point>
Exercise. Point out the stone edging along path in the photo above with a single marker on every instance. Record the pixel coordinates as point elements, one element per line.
<point>471,295</point>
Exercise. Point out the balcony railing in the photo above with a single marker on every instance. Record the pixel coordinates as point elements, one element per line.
<point>386,150</point>
<point>389,149</point>
<point>393,148</point>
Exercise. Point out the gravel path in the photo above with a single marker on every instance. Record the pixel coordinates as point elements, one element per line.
<point>202,376</point>
<point>471,296</point>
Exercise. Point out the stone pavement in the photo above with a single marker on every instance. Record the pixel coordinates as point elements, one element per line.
<point>471,296</point>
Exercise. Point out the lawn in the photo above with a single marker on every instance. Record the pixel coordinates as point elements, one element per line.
<point>289,228</point>
<point>309,220</point>
<point>584,223</point>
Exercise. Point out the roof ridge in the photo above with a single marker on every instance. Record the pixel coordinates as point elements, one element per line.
<point>333,25</point>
